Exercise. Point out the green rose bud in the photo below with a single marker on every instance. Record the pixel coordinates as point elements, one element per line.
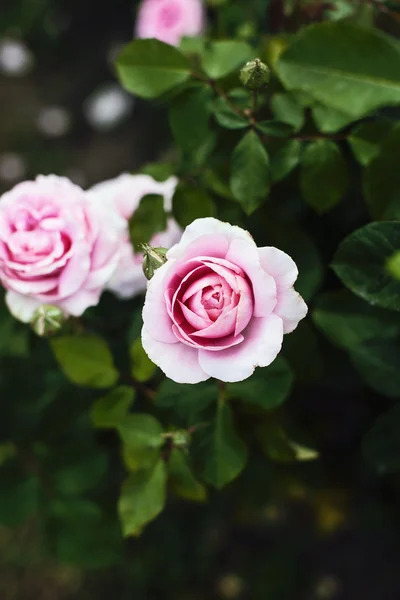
<point>255,75</point>
<point>47,320</point>
<point>153,258</point>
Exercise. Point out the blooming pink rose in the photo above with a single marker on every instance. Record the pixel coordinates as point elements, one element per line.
<point>123,194</point>
<point>219,306</point>
<point>170,20</point>
<point>56,246</point>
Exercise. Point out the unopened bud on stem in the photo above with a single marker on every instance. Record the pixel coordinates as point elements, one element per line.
<point>255,75</point>
<point>47,320</point>
<point>153,258</point>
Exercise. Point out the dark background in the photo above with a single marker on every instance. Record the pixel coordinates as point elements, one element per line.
<point>281,533</point>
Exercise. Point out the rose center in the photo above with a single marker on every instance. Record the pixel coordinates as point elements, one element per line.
<point>170,15</point>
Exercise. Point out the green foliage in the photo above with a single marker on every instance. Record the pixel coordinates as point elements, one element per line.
<point>142,439</point>
<point>190,203</point>
<point>268,388</point>
<point>149,68</point>
<point>250,176</point>
<point>223,454</point>
<point>85,360</point>
<point>110,410</point>
<point>189,115</point>
<point>148,219</point>
<point>381,444</point>
<point>182,480</point>
<point>365,139</point>
<point>349,68</point>
<point>360,262</point>
<point>324,176</point>
<point>285,159</point>
<point>19,494</point>
<point>378,362</point>
<point>222,58</point>
<point>142,367</point>
<point>142,498</point>
<point>286,108</point>
<point>186,400</point>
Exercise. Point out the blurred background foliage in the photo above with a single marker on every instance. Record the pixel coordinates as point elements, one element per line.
<point>315,519</point>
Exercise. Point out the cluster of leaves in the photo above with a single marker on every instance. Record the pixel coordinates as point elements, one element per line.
<point>311,165</point>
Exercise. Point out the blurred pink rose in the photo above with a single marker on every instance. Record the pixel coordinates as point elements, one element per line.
<point>123,194</point>
<point>219,306</point>
<point>56,246</point>
<point>170,20</point>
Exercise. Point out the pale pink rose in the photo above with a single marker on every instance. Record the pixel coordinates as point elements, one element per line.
<point>170,20</point>
<point>219,306</point>
<point>123,194</point>
<point>56,247</point>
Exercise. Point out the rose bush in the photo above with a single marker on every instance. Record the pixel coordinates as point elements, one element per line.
<point>170,20</point>
<point>219,306</point>
<point>123,195</point>
<point>56,246</point>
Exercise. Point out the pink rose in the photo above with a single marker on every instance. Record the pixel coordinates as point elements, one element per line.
<point>123,194</point>
<point>219,306</point>
<point>56,247</point>
<point>170,20</point>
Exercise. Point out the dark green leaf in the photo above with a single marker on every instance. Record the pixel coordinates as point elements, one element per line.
<point>85,360</point>
<point>365,139</point>
<point>250,174</point>
<point>148,67</point>
<point>382,179</point>
<point>268,388</point>
<point>142,367</point>
<point>360,262</point>
<point>223,453</point>
<point>190,203</point>
<point>185,399</point>
<point>287,108</point>
<point>378,362</point>
<point>222,57</point>
<point>160,171</point>
<point>381,445</point>
<point>142,498</point>
<point>329,120</point>
<point>79,473</point>
<point>142,439</point>
<point>285,159</point>
<point>279,447</point>
<point>324,176</point>
<point>189,116</point>
<point>226,115</point>
<point>182,480</point>
<point>109,411</point>
<point>275,128</point>
<point>149,218</point>
<point>352,69</point>
<point>349,321</point>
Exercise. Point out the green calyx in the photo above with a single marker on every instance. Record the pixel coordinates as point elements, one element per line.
<point>255,75</point>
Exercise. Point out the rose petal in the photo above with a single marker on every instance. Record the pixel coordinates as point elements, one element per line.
<point>264,288</point>
<point>262,343</point>
<point>291,308</point>
<point>155,315</point>
<point>278,264</point>
<point>178,361</point>
<point>77,303</point>
<point>21,307</point>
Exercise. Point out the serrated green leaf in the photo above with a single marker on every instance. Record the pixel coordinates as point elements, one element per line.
<point>352,69</point>
<point>142,367</point>
<point>182,481</point>
<point>190,203</point>
<point>250,172</point>
<point>148,219</point>
<point>85,360</point>
<point>223,453</point>
<point>360,262</point>
<point>227,117</point>
<point>329,120</point>
<point>141,435</point>
<point>268,388</point>
<point>378,362</point>
<point>348,321</point>
<point>189,115</point>
<point>223,57</point>
<point>149,68</point>
<point>109,411</point>
<point>324,176</point>
<point>382,179</point>
<point>142,498</point>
